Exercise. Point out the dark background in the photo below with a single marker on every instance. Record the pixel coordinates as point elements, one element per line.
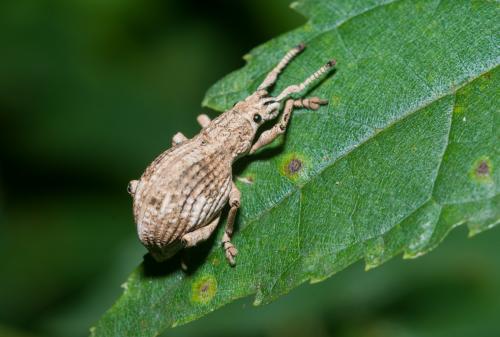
<point>90,92</point>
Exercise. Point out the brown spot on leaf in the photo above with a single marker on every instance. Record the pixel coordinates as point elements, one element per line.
<point>294,166</point>
<point>483,168</point>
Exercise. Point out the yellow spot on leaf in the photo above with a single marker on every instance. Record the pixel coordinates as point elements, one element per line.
<point>335,100</point>
<point>203,289</point>
<point>458,109</point>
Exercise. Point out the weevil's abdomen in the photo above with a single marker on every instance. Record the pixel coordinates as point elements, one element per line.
<point>183,189</point>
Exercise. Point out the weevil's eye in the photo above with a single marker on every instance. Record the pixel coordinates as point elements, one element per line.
<point>131,187</point>
<point>257,118</point>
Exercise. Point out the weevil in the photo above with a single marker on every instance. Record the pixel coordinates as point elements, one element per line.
<point>178,200</point>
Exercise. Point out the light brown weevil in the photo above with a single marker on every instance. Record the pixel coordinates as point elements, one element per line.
<point>179,198</point>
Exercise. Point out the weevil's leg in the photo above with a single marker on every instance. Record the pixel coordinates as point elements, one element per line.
<point>191,239</point>
<point>299,87</point>
<point>273,74</point>
<point>203,120</point>
<point>178,138</point>
<point>279,128</point>
<point>234,203</point>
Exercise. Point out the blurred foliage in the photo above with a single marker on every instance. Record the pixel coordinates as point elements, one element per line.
<point>90,92</point>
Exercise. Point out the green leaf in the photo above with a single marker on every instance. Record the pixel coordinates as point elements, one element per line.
<point>405,151</point>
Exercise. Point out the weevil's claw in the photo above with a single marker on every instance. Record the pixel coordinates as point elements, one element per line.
<point>331,63</point>
<point>316,102</point>
<point>312,103</point>
<point>230,251</point>
<point>230,255</point>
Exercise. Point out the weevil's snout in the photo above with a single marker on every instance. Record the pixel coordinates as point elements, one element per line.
<point>132,187</point>
<point>270,109</point>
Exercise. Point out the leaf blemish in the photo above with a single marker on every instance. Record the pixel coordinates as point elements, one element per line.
<point>204,289</point>
<point>481,170</point>
<point>458,109</point>
<point>293,166</point>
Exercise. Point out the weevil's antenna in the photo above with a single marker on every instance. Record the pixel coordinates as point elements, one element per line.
<point>298,88</point>
<point>273,74</point>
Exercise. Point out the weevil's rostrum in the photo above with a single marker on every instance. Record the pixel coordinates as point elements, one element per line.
<point>179,198</point>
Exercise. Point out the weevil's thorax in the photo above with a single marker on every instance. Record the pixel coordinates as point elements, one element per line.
<point>235,129</point>
<point>232,132</point>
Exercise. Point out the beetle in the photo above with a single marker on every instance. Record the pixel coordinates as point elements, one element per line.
<point>178,200</point>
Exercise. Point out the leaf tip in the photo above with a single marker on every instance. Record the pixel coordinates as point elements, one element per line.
<point>473,232</point>
<point>369,266</point>
<point>317,279</point>
<point>412,255</point>
<point>477,228</point>
<point>259,296</point>
<point>124,286</point>
<point>205,103</point>
<point>294,5</point>
<point>247,57</point>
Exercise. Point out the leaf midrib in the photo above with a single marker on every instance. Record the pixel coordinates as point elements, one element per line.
<point>424,104</point>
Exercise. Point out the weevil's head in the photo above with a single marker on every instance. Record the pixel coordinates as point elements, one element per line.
<point>258,108</point>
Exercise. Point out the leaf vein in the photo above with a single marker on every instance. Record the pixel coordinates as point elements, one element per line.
<point>424,104</point>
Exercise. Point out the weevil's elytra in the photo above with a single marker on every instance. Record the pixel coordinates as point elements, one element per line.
<point>179,198</point>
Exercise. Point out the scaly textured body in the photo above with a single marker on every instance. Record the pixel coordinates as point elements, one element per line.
<point>188,185</point>
<point>179,198</point>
